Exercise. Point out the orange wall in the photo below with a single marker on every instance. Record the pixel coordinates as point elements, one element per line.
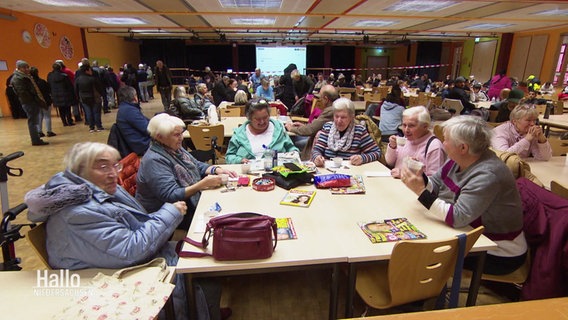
<point>100,47</point>
<point>111,50</point>
<point>551,52</point>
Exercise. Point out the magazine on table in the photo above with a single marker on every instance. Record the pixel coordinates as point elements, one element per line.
<point>390,230</point>
<point>285,229</point>
<point>298,198</point>
<point>357,186</point>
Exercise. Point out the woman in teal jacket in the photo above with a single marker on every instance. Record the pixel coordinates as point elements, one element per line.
<point>257,132</point>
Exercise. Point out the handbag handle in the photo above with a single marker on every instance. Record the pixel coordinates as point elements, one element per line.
<point>157,262</point>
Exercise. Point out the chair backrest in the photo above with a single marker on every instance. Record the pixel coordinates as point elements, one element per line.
<point>229,112</point>
<point>439,132</point>
<point>455,104</point>
<point>345,95</point>
<point>127,176</point>
<point>559,147</point>
<point>201,135</point>
<point>559,189</point>
<point>420,269</point>
<point>37,237</point>
<point>540,108</point>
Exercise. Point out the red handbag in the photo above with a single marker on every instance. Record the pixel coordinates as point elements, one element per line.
<point>237,236</point>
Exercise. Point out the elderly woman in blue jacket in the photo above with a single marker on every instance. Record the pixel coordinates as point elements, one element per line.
<point>256,134</point>
<point>94,223</point>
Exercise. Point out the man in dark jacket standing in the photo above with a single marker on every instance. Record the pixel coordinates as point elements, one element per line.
<point>458,92</point>
<point>163,80</point>
<point>62,93</point>
<point>131,123</point>
<point>30,97</point>
<point>90,91</point>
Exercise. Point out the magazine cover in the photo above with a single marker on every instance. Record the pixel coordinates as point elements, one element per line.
<point>357,186</point>
<point>298,198</point>
<point>390,230</point>
<point>286,229</point>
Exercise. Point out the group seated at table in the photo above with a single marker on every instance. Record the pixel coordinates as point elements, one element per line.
<point>420,144</point>
<point>474,187</point>
<point>522,135</point>
<point>259,132</point>
<point>344,138</point>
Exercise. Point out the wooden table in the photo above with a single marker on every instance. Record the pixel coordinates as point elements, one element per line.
<point>328,233</point>
<point>549,309</point>
<point>553,169</point>
<point>555,121</point>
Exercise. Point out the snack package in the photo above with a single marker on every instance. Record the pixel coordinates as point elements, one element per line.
<point>333,180</point>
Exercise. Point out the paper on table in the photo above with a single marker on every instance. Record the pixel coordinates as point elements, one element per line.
<point>202,220</point>
<point>377,174</point>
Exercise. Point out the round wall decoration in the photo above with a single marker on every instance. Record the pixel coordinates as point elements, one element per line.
<point>42,35</point>
<point>26,36</point>
<point>66,48</point>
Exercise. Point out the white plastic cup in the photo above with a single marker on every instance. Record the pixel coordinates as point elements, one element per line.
<point>414,165</point>
<point>400,141</point>
<point>245,168</point>
<point>337,161</point>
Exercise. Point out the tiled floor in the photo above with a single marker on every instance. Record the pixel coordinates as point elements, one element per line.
<point>251,297</point>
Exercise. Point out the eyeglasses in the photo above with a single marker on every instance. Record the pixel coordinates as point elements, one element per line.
<point>109,168</point>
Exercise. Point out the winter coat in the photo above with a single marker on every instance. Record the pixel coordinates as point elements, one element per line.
<point>89,228</point>
<point>62,92</point>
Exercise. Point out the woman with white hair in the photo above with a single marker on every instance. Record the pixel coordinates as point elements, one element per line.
<point>522,135</point>
<point>420,144</point>
<point>474,187</point>
<point>92,222</point>
<point>203,97</point>
<point>344,138</point>
<point>169,173</point>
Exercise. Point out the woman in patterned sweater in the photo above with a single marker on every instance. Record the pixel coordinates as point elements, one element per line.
<point>344,138</point>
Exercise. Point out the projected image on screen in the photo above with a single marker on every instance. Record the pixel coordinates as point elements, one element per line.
<point>273,60</point>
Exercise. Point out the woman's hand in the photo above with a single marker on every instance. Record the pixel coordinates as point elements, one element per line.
<point>395,173</point>
<point>232,174</point>
<point>535,132</point>
<point>356,160</point>
<point>392,142</point>
<point>319,161</point>
<point>181,206</point>
<point>413,181</point>
<point>211,181</point>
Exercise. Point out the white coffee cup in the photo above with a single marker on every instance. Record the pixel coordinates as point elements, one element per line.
<point>245,168</point>
<point>337,161</point>
<point>414,165</point>
<point>400,141</point>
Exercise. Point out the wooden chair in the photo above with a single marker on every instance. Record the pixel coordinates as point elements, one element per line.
<point>376,97</point>
<point>559,189</point>
<point>455,104</point>
<point>207,140</point>
<point>37,238</point>
<point>345,95</point>
<point>316,103</point>
<point>439,132</point>
<point>540,108</point>
<point>229,112</point>
<point>417,270</point>
<point>384,90</point>
<point>559,147</point>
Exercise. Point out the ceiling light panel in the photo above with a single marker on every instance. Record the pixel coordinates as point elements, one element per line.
<point>120,20</point>
<point>553,12</point>
<point>421,5</point>
<point>373,23</point>
<point>254,4</point>
<point>72,3</point>
<point>253,21</point>
<point>488,26</point>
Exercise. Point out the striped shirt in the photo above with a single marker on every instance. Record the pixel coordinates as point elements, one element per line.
<point>362,144</point>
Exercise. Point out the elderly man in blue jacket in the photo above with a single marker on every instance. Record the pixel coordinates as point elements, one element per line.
<point>131,122</point>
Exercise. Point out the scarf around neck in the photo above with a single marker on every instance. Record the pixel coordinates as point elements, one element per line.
<point>337,143</point>
<point>184,166</point>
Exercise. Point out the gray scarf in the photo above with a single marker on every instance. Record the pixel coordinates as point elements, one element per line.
<point>337,143</point>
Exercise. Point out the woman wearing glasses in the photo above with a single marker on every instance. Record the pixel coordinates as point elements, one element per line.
<point>522,135</point>
<point>257,132</point>
<point>94,223</point>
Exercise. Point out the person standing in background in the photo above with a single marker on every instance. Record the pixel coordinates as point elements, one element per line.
<point>142,78</point>
<point>44,112</point>
<point>163,80</point>
<point>62,93</point>
<point>30,97</point>
<point>150,82</point>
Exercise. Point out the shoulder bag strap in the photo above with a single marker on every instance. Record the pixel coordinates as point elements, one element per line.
<point>428,145</point>
<point>456,282</point>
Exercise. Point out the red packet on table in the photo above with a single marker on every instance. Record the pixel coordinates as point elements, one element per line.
<point>244,181</point>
